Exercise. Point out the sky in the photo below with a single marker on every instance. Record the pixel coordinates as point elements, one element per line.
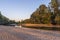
<point>20,9</point>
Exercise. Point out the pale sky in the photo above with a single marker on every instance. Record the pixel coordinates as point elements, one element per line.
<point>20,9</point>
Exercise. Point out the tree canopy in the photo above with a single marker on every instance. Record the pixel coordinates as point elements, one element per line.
<point>4,20</point>
<point>43,16</point>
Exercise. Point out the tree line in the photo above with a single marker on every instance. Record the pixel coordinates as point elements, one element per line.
<point>43,15</point>
<point>6,21</point>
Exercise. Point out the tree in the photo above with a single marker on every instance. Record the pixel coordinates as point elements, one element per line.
<point>41,15</point>
<point>26,21</point>
<point>35,17</point>
<point>4,20</point>
<point>57,19</point>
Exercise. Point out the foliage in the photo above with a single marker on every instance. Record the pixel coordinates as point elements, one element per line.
<point>26,21</point>
<point>43,16</point>
<point>57,19</point>
<point>5,21</point>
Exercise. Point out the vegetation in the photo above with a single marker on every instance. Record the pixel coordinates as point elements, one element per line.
<point>43,16</point>
<point>5,21</point>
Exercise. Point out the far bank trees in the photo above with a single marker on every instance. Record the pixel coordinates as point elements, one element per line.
<point>44,16</point>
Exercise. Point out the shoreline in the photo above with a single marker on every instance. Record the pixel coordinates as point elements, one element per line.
<point>41,25</point>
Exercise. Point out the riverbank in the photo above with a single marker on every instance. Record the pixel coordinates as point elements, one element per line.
<point>43,26</point>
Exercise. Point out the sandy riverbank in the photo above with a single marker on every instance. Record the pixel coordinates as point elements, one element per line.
<point>41,25</point>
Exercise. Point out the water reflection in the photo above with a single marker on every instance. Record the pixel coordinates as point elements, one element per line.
<point>18,26</point>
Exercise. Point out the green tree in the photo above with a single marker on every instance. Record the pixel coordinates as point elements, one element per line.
<point>57,19</point>
<point>41,15</point>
